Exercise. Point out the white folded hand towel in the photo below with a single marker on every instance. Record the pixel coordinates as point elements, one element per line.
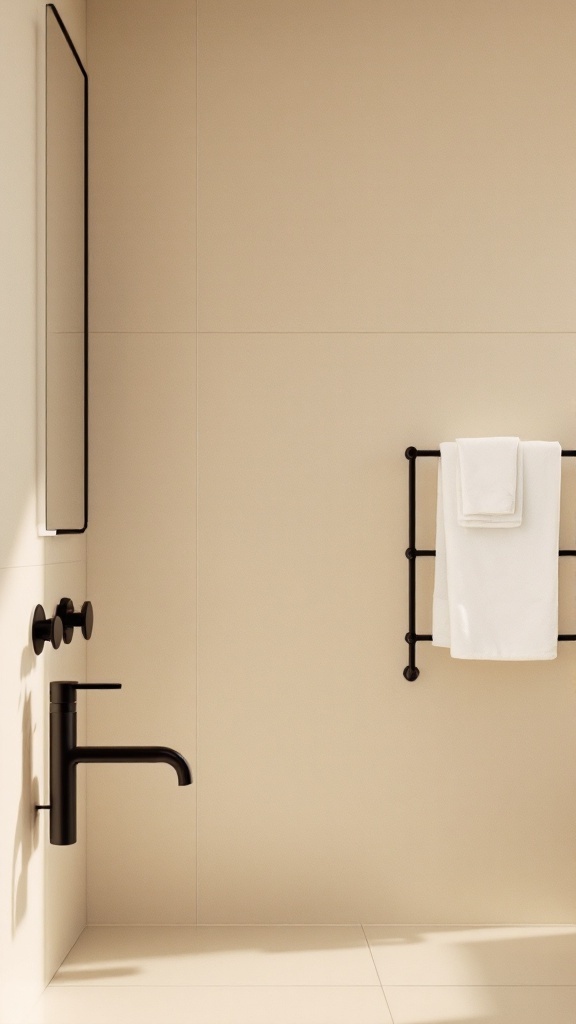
<point>496,591</point>
<point>490,481</point>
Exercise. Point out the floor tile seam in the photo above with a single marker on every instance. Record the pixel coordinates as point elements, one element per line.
<point>377,973</point>
<point>473,927</point>
<point>481,984</point>
<point>55,985</point>
<point>203,925</point>
<point>124,924</point>
<point>320,924</point>
<point>64,958</point>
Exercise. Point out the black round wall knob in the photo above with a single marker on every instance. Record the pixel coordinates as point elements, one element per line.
<point>84,618</point>
<point>44,630</point>
<point>87,619</point>
<point>65,610</point>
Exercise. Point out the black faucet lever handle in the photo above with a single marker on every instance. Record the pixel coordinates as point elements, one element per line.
<point>63,691</point>
<point>97,686</point>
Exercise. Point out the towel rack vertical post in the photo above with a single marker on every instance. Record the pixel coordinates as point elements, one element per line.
<point>411,672</point>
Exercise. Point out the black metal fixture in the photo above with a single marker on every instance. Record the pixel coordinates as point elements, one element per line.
<point>84,618</point>
<point>56,178</point>
<point>44,630</point>
<point>65,755</point>
<point>411,672</point>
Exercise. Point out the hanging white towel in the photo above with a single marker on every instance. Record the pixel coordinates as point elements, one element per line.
<point>490,481</point>
<point>496,591</point>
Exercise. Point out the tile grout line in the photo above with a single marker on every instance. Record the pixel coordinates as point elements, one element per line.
<point>86,510</point>
<point>302,984</point>
<point>377,972</point>
<point>331,925</point>
<point>197,758</point>
<point>249,984</point>
<point>41,565</point>
<point>438,331</point>
<point>353,331</point>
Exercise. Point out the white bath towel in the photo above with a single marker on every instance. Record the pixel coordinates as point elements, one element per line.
<point>490,481</point>
<point>496,591</point>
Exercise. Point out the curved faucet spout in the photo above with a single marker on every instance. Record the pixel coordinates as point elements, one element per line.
<point>134,755</point>
<point>65,755</point>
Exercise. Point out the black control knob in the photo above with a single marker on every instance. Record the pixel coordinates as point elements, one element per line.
<point>44,630</point>
<point>84,618</point>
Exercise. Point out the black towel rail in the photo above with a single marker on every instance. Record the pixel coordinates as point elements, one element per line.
<point>411,672</point>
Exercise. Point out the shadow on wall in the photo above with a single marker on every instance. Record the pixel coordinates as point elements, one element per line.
<point>26,834</point>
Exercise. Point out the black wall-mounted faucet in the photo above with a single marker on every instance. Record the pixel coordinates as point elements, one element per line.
<point>65,754</point>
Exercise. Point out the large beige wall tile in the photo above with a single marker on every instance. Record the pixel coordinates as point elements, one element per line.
<point>321,955</point>
<point>364,166</point>
<point>22,33</point>
<point>22,732</point>
<point>32,885</point>
<point>141,551</point>
<point>43,895</point>
<point>330,789</point>
<point>222,1004</point>
<point>19,540</point>
<point>498,1004</point>
<point>142,58</point>
<point>508,955</point>
<point>386,165</point>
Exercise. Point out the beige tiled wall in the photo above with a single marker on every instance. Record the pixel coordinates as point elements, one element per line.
<point>142,539</point>
<point>330,789</point>
<point>142,165</point>
<point>386,165</point>
<point>141,862</point>
<point>385,257</point>
<point>42,888</point>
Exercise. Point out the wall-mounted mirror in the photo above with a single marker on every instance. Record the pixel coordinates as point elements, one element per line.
<point>66,414</point>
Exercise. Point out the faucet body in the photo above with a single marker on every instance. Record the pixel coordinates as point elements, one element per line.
<point>65,755</point>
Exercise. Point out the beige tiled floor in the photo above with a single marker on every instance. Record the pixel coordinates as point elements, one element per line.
<point>315,975</point>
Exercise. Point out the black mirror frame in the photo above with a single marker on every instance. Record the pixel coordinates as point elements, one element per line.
<point>53,8</point>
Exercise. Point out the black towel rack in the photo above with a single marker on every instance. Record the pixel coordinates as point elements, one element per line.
<point>411,672</point>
